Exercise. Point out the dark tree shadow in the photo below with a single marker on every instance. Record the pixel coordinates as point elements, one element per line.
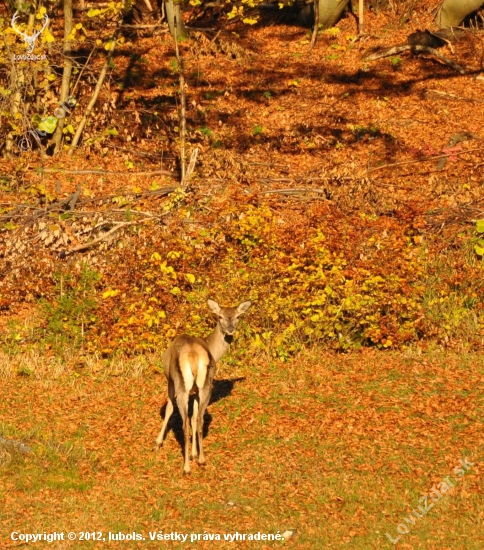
<point>221,390</point>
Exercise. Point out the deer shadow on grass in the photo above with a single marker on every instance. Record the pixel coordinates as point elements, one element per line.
<point>221,389</point>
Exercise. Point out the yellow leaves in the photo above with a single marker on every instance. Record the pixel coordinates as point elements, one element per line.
<point>294,83</point>
<point>155,256</point>
<point>47,37</point>
<point>109,46</point>
<point>168,270</point>
<point>333,31</point>
<point>195,3</point>
<point>175,291</point>
<point>110,293</point>
<point>235,12</point>
<point>190,278</point>
<point>250,21</point>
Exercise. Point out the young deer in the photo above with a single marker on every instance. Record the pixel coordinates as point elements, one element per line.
<point>189,365</point>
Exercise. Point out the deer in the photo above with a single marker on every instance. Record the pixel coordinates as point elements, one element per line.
<point>189,365</point>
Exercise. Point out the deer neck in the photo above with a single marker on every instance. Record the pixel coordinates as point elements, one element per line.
<point>218,344</point>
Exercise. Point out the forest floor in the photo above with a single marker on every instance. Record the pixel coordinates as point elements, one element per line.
<point>384,159</point>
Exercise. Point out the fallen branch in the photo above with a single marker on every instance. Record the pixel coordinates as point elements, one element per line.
<point>107,172</point>
<point>118,225</point>
<point>61,206</point>
<point>422,49</point>
<point>454,154</point>
<point>453,96</point>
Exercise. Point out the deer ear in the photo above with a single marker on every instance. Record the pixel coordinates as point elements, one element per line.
<point>213,306</point>
<point>244,306</point>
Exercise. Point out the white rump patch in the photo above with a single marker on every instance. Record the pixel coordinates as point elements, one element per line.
<point>194,363</point>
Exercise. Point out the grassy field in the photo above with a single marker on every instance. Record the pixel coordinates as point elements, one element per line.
<point>339,448</point>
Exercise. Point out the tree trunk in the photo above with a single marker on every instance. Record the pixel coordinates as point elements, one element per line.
<point>174,17</point>
<point>66,75</point>
<point>330,11</point>
<point>453,12</point>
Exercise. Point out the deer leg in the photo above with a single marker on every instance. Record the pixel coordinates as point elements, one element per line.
<point>194,427</point>
<point>168,413</point>
<point>182,402</point>
<point>204,395</point>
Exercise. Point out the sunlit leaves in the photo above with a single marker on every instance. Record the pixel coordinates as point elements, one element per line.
<point>110,293</point>
<point>479,244</point>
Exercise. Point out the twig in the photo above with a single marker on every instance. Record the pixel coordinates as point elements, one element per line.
<point>270,164</point>
<point>158,25</point>
<point>82,70</point>
<point>74,198</point>
<point>133,151</point>
<point>90,107</point>
<point>424,160</point>
<point>191,167</point>
<point>294,191</point>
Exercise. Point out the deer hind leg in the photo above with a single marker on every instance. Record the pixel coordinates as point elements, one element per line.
<point>182,402</point>
<point>168,413</point>
<point>204,395</point>
<point>194,427</point>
